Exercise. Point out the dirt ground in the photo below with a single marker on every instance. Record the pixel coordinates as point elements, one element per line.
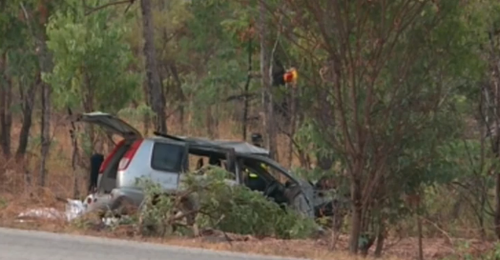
<point>395,249</point>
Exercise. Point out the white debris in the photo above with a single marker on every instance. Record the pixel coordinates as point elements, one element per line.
<point>44,213</point>
<point>73,210</point>
<point>110,221</point>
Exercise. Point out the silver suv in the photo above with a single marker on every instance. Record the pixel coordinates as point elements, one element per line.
<point>164,158</point>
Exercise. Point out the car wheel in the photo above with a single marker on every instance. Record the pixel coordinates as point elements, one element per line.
<point>124,206</point>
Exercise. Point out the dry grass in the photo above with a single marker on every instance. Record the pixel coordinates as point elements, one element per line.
<point>312,249</point>
<point>15,197</point>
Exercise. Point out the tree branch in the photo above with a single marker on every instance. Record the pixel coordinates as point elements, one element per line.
<point>92,10</point>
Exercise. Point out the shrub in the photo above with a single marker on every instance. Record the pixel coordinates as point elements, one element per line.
<point>219,205</point>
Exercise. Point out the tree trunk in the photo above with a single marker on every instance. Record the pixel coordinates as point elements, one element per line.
<point>497,206</point>
<point>380,240</point>
<point>45,61</point>
<point>45,132</point>
<point>293,122</point>
<point>357,215</point>
<point>245,91</point>
<point>180,94</point>
<point>153,77</point>
<point>45,66</point>
<point>146,121</point>
<point>5,106</point>
<point>420,238</point>
<point>88,106</point>
<point>266,83</point>
<point>28,98</point>
<point>482,209</point>
<point>209,122</point>
<point>496,152</point>
<point>74,156</point>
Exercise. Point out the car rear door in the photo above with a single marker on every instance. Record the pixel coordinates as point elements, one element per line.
<point>110,123</point>
<point>113,124</point>
<point>168,161</point>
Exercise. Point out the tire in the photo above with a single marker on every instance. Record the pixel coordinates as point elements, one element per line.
<point>124,206</point>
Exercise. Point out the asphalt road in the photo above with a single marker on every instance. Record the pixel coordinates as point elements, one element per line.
<point>34,245</point>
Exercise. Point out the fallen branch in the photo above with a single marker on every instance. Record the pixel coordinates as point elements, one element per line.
<point>241,96</point>
<point>92,10</point>
<point>448,237</point>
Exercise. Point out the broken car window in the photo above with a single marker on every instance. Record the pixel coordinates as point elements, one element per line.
<point>167,157</point>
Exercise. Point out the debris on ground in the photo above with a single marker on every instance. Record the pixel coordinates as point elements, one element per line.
<point>73,210</point>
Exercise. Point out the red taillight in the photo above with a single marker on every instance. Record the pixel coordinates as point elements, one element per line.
<point>108,158</point>
<point>127,158</point>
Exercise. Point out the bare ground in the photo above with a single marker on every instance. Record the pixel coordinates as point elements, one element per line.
<point>396,249</point>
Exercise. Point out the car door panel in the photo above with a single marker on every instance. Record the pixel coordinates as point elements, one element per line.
<point>168,161</point>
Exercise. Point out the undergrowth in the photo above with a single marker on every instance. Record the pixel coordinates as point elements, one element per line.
<point>209,202</point>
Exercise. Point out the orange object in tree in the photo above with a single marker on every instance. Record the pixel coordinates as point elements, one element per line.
<point>290,76</point>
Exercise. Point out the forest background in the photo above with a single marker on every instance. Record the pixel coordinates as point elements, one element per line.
<point>397,100</point>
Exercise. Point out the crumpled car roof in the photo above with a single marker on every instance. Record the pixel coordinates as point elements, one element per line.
<point>238,146</point>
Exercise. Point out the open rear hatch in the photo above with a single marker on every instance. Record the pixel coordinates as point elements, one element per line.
<point>111,123</point>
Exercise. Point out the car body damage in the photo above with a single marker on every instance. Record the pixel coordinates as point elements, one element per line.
<point>165,158</point>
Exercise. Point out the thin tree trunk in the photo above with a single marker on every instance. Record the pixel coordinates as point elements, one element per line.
<point>482,230</point>
<point>337,221</point>
<point>246,89</point>
<point>180,93</point>
<point>45,64</point>
<point>483,188</point>
<point>293,122</point>
<point>28,98</point>
<point>209,122</point>
<point>266,83</point>
<point>147,118</point>
<point>5,108</point>
<point>420,238</point>
<point>496,151</point>
<point>153,77</point>
<point>74,155</point>
<point>357,215</point>
<point>495,145</point>
<point>380,240</point>
<point>497,206</point>
<point>45,67</point>
<point>88,106</point>
<point>45,132</point>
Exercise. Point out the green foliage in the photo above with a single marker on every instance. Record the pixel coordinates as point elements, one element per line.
<point>240,210</point>
<point>157,210</point>
<point>427,84</point>
<point>216,41</point>
<point>136,114</point>
<point>91,61</point>
<point>225,207</point>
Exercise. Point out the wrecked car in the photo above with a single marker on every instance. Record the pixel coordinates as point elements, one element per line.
<point>164,158</point>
